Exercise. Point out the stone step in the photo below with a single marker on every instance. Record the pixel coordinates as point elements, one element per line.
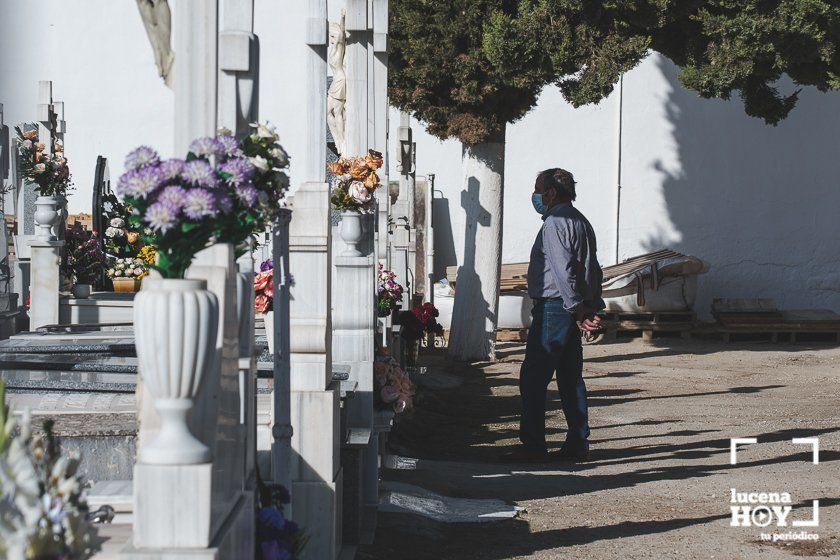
<point>88,362</point>
<point>34,343</point>
<point>46,383</point>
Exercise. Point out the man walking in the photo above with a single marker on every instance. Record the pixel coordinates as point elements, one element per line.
<point>564,281</point>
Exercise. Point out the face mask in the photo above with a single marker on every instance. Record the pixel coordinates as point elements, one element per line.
<point>539,206</point>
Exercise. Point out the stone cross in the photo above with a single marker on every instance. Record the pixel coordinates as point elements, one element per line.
<point>47,118</point>
<point>196,71</point>
<point>238,69</point>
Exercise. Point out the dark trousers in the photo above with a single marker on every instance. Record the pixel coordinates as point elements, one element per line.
<point>553,346</point>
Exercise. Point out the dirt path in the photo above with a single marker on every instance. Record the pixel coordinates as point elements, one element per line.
<point>659,482</point>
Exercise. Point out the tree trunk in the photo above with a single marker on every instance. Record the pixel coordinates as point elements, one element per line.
<point>474,317</point>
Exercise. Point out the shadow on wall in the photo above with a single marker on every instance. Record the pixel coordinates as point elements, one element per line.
<point>758,202</point>
<point>444,242</point>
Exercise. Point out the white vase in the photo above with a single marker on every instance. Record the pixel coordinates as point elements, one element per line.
<point>268,319</point>
<point>351,232</point>
<point>176,324</point>
<point>245,312</point>
<point>46,216</point>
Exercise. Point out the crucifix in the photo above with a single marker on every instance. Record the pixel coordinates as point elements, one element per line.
<point>238,66</point>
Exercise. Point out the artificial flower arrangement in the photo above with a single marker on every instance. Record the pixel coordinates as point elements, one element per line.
<point>134,269</point>
<point>389,292</point>
<point>50,172</point>
<point>277,537</point>
<point>42,508</point>
<point>264,288</point>
<point>355,182</point>
<point>121,241</point>
<point>82,260</point>
<point>420,321</point>
<point>147,254</point>
<point>225,190</point>
<point>395,388</point>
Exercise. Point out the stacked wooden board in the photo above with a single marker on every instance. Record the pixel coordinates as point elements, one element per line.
<point>760,319</point>
<point>514,277</point>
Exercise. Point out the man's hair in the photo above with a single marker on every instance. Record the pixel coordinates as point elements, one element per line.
<point>560,180</point>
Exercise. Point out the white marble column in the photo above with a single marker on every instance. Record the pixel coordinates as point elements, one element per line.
<point>196,71</point>
<point>315,468</point>
<point>45,282</point>
<point>200,510</point>
<point>357,64</point>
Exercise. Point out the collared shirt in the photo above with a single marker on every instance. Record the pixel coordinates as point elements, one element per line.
<point>564,262</point>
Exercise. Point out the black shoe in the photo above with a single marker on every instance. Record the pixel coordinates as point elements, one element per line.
<point>522,455</point>
<point>573,454</point>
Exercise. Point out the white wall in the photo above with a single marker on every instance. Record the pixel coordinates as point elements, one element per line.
<point>97,55</point>
<point>758,202</point>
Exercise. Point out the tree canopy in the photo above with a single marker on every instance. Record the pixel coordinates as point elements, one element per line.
<point>468,67</point>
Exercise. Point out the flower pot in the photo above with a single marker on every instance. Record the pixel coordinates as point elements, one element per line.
<point>175,323</point>
<point>351,232</point>
<point>245,312</point>
<point>81,291</point>
<point>126,285</point>
<point>268,319</point>
<point>46,216</point>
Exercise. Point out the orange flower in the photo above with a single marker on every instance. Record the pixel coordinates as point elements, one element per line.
<point>372,181</point>
<point>263,280</point>
<point>261,303</point>
<point>374,159</point>
<point>336,168</point>
<point>359,169</point>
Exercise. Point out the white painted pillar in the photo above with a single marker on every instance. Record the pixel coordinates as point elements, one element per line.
<point>5,147</point>
<point>200,510</point>
<point>45,282</point>
<point>196,71</point>
<point>238,66</point>
<point>315,468</point>
<point>357,78</point>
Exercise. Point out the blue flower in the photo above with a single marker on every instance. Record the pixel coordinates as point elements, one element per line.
<point>240,170</point>
<point>141,157</point>
<point>172,168</point>
<point>229,145</point>
<point>199,203</point>
<point>139,183</point>
<point>206,147</point>
<point>199,173</point>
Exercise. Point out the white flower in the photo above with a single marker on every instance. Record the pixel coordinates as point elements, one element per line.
<point>117,222</point>
<point>359,192</point>
<point>40,168</point>
<point>26,144</point>
<point>264,131</point>
<point>260,163</point>
<point>118,272</point>
<point>129,271</point>
<point>281,156</point>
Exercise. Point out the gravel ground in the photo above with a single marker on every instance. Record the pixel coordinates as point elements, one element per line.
<point>659,481</point>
